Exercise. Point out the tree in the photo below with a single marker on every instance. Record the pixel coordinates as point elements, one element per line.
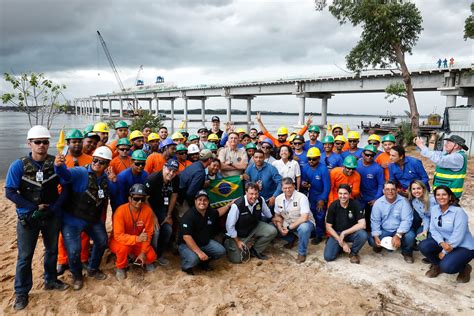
<point>35,95</point>
<point>390,29</point>
<point>469,25</point>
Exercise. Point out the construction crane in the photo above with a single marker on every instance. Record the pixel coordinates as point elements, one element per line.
<point>138,81</point>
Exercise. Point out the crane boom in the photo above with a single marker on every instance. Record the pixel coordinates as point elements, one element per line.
<point>111,61</point>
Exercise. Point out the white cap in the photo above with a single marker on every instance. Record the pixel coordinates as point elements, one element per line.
<point>103,152</point>
<point>193,149</point>
<point>386,242</point>
<point>38,131</point>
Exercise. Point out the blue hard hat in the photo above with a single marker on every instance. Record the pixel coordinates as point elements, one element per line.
<point>166,142</point>
<point>268,141</point>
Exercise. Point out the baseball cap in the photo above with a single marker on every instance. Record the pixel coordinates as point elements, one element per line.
<point>203,129</point>
<point>205,154</point>
<point>172,164</point>
<point>201,193</point>
<point>215,119</point>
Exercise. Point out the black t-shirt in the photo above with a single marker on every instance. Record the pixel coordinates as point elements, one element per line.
<point>344,218</point>
<point>201,228</point>
<point>159,192</point>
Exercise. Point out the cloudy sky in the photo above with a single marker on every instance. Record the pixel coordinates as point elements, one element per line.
<point>209,41</point>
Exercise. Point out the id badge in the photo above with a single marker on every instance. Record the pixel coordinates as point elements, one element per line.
<point>166,200</point>
<point>100,194</point>
<point>39,176</point>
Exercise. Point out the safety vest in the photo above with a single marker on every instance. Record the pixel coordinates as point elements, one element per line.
<point>452,179</point>
<point>247,220</point>
<point>39,192</point>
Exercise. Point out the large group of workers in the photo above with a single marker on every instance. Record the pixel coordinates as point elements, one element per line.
<point>300,189</point>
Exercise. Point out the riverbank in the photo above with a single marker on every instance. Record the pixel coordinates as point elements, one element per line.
<point>382,283</point>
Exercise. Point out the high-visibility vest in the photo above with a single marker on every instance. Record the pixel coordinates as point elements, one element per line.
<point>452,179</point>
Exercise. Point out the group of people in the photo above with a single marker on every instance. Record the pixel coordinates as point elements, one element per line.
<point>300,190</point>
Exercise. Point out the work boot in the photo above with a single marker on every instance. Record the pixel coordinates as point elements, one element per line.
<point>425,261</point>
<point>96,274</point>
<point>316,240</point>
<point>289,245</point>
<point>120,274</point>
<point>77,283</point>
<point>465,275</point>
<point>162,261</point>
<point>354,258</point>
<point>301,259</point>
<point>408,257</point>
<point>255,253</point>
<point>150,267</point>
<point>61,268</point>
<point>377,249</point>
<point>205,266</point>
<point>433,272</point>
<point>21,301</point>
<point>55,285</point>
<point>188,271</point>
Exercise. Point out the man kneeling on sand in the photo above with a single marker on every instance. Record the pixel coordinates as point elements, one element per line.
<point>133,227</point>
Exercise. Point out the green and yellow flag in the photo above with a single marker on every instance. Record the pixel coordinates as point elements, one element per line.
<point>222,191</point>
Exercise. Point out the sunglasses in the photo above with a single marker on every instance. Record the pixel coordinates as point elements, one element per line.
<point>373,143</point>
<point>297,143</point>
<point>100,162</point>
<point>312,159</point>
<point>266,147</point>
<point>123,149</point>
<point>139,164</point>
<point>369,155</point>
<point>353,140</point>
<point>350,169</point>
<point>181,153</point>
<point>338,144</point>
<point>440,221</point>
<point>139,199</point>
<point>39,142</point>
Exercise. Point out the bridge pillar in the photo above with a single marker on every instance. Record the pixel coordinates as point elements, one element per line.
<point>84,107</point>
<point>157,105</point>
<point>110,107</point>
<point>121,107</point>
<point>249,114</point>
<point>149,106</point>
<point>203,111</point>
<point>229,109</point>
<point>324,114</point>
<point>450,101</point>
<point>185,113</point>
<point>101,109</point>
<point>302,108</point>
<point>172,116</point>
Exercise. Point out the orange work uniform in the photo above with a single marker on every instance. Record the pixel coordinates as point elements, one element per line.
<point>127,225</point>
<point>183,165</point>
<point>338,177</point>
<point>155,163</point>
<point>381,159</point>
<point>277,143</point>
<point>113,146</point>
<point>119,164</point>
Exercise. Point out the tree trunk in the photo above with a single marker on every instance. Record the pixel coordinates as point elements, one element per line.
<point>415,116</point>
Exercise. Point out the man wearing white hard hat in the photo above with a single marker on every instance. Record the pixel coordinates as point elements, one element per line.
<point>89,188</point>
<point>32,185</point>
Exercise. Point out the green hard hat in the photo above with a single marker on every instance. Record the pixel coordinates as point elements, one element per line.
<point>88,129</point>
<point>139,155</point>
<point>181,147</point>
<point>350,162</point>
<point>74,134</point>
<point>124,142</point>
<point>328,139</point>
<point>388,138</point>
<point>210,146</point>
<point>250,146</point>
<point>192,137</point>
<point>314,128</point>
<point>371,148</point>
<point>121,124</point>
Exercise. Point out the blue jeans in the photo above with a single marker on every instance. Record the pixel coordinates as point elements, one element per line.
<point>190,259</point>
<point>72,240</point>
<point>453,262</point>
<point>26,240</point>
<point>303,231</point>
<point>320,219</point>
<point>162,237</point>
<point>408,240</point>
<point>333,249</point>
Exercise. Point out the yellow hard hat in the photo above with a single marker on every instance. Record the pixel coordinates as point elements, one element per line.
<point>353,135</point>
<point>375,137</point>
<point>213,137</point>
<point>336,126</point>
<point>177,135</point>
<point>101,127</point>
<point>340,138</point>
<point>313,152</point>
<point>282,131</point>
<point>292,137</point>
<point>153,136</point>
<point>136,134</point>
<point>240,130</point>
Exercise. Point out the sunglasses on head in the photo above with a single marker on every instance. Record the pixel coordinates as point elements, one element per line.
<point>139,163</point>
<point>297,143</point>
<point>100,162</point>
<point>123,149</point>
<point>138,199</point>
<point>39,142</point>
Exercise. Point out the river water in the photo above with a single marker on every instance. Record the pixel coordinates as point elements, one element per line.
<point>14,127</point>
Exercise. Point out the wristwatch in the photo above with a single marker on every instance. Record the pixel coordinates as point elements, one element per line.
<point>399,235</point>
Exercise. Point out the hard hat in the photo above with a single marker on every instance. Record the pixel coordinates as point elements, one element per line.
<point>181,147</point>
<point>313,152</point>
<point>267,141</point>
<point>136,134</point>
<point>193,149</point>
<point>353,135</point>
<point>388,138</point>
<point>210,146</point>
<point>314,128</point>
<point>213,137</point>
<point>250,146</point>
<point>299,137</point>
<point>328,139</point>
<point>340,138</point>
<point>121,124</point>
<point>103,152</point>
<point>166,142</point>
<point>138,189</point>
<point>124,142</point>
<point>282,131</point>
<point>193,137</point>
<point>337,126</point>
<point>374,137</point>
<point>38,131</point>
<point>240,130</point>
<point>371,148</point>
<point>139,155</point>
<point>386,242</point>
<point>88,129</point>
<point>350,162</point>
<point>292,137</point>
<point>74,134</point>
<point>177,135</point>
<point>101,127</point>
<point>153,136</point>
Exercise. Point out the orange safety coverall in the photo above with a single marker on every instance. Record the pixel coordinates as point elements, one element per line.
<point>82,160</point>
<point>183,166</point>
<point>277,143</point>
<point>154,163</point>
<point>127,225</point>
<point>113,146</point>
<point>381,159</point>
<point>338,178</point>
<point>119,164</point>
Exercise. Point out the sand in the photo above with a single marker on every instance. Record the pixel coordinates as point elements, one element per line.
<point>381,284</point>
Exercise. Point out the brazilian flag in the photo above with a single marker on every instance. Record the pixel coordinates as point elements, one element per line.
<point>224,190</point>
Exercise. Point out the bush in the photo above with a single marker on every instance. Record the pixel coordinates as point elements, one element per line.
<point>139,122</point>
<point>405,134</point>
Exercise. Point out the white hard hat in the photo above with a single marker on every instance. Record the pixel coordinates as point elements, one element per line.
<point>193,149</point>
<point>38,131</point>
<point>103,152</point>
<point>386,242</point>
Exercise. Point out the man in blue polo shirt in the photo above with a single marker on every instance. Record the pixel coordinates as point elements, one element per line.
<point>330,158</point>
<point>313,131</point>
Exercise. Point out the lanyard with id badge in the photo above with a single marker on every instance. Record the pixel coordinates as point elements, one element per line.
<point>100,193</point>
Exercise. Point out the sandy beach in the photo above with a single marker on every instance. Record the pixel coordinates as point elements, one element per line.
<point>382,284</point>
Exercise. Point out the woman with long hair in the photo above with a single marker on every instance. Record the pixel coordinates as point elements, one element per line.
<point>421,202</point>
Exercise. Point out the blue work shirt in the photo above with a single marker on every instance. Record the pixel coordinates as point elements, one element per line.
<point>302,159</point>
<point>332,161</point>
<point>320,181</point>
<point>391,217</point>
<point>269,177</point>
<point>453,228</point>
<point>454,161</point>
<point>357,153</point>
<point>425,214</point>
<point>412,170</point>
<point>307,145</point>
<point>371,181</point>
<point>191,180</point>
<point>125,180</point>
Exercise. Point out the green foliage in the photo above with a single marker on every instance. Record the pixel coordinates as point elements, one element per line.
<point>469,25</point>
<point>405,134</point>
<point>145,119</point>
<point>394,91</point>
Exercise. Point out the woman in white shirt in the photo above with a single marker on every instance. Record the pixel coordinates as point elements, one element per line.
<point>287,167</point>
